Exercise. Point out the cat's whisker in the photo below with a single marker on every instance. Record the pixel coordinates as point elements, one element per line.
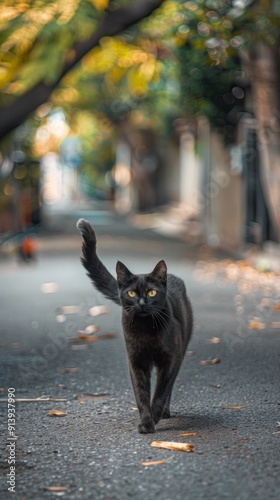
<point>159,318</point>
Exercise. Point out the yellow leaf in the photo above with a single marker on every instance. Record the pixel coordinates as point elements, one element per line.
<point>156,462</point>
<point>115,74</point>
<point>57,413</point>
<point>169,445</point>
<point>188,434</point>
<point>100,4</point>
<point>137,81</point>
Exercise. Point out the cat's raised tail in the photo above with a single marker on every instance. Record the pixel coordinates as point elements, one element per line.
<point>98,273</point>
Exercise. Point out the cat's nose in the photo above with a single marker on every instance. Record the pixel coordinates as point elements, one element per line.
<point>142,302</point>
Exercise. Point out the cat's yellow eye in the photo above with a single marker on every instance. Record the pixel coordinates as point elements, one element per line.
<point>152,293</point>
<point>131,293</point>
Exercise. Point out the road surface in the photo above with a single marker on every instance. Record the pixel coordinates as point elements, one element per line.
<point>231,407</point>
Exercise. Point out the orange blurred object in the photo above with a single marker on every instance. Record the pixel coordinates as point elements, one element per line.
<point>27,248</point>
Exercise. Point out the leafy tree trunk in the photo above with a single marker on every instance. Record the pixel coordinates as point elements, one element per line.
<point>265,85</point>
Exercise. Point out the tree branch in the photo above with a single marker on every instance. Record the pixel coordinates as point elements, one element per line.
<point>113,22</point>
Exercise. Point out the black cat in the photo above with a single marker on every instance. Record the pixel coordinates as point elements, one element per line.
<point>157,321</point>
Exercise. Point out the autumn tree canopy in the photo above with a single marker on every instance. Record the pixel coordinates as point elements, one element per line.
<point>42,41</point>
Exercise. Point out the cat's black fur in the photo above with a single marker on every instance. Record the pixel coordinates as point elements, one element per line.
<point>157,328</point>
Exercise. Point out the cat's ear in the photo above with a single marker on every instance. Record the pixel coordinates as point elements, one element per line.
<point>160,271</point>
<point>123,274</point>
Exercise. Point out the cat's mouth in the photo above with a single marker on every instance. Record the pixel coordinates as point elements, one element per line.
<point>142,312</point>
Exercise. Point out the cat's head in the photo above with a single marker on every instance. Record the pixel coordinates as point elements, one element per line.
<point>142,294</point>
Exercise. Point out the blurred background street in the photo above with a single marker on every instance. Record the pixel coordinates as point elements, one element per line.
<point>159,122</point>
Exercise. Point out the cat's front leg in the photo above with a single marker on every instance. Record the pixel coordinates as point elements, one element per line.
<point>141,382</point>
<point>162,395</point>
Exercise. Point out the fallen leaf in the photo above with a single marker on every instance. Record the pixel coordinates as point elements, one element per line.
<point>277,306</point>
<point>49,287</point>
<point>156,462</point>
<point>234,407</point>
<point>106,336</point>
<point>68,310</point>
<point>60,318</point>
<point>98,310</point>
<point>91,329</point>
<point>274,324</point>
<point>188,434</point>
<point>170,445</point>
<point>266,303</point>
<point>213,361</point>
<point>214,340</point>
<point>68,370</point>
<point>55,488</point>
<point>256,325</point>
<point>276,432</point>
<point>57,413</point>
<point>86,337</point>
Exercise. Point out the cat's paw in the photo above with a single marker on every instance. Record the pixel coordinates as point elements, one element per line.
<point>166,413</point>
<point>157,413</point>
<point>146,428</point>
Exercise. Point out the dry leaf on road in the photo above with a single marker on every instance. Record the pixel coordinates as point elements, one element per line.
<point>274,324</point>
<point>68,310</point>
<point>170,445</point>
<point>86,337</point>
<point>83,398</point>
<point>55,488</point>
<point>91,329</point>
<point>213,361</point>
<point>156,462</point>
<point>214,340</point>
<point>98,310</point>
<point>49,287</point>
<point>57,413</point>
<point>188,434</point>
<point>107,336</point>
<point>234,407</point>
<point>256,325</point>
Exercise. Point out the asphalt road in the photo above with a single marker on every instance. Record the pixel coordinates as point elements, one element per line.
<point>95,451</point>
